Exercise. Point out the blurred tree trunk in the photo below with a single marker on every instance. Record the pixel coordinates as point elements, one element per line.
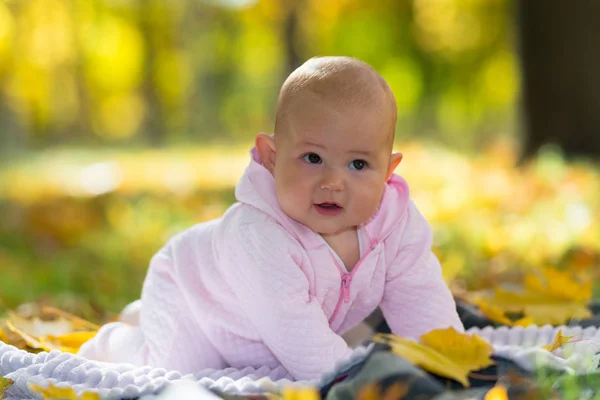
<point>561,75</point>
<point>292,34</point>
<point>154,126</point>
<point>82,125</point>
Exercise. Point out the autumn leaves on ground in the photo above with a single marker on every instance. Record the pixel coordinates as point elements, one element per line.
<point>520,244</point>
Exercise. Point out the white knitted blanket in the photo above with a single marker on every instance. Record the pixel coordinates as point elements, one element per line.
<point>116,381</point>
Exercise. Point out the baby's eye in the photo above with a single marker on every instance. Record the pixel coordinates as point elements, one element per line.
<point>358,165</point>
<point>312,158</point>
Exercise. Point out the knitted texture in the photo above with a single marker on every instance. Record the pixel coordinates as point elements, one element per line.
<point>118,381</point>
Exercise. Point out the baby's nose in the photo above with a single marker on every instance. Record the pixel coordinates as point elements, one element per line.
<point>333,182</point>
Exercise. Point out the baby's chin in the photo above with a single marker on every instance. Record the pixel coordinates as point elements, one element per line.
<point>330,230</point>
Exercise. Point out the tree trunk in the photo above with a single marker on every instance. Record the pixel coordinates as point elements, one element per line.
<point>561,75</point>
<point>154,124</point>
<point>291,34</point>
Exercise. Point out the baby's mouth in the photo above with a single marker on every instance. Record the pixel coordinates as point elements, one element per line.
<point>329,206</point>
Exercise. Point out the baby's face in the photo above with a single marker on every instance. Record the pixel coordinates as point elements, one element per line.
<point>331,166</point>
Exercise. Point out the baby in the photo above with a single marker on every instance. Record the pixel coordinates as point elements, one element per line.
<point>322,234</point>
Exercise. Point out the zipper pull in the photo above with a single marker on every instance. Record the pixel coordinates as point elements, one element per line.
<point>346,287</point>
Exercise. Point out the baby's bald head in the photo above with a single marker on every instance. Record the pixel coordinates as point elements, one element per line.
<point>343,83</point>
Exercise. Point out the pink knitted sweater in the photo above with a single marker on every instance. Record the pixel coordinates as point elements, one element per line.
<point>256,288</point>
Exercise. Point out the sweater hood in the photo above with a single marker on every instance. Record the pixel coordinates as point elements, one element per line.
<point>256,188</point>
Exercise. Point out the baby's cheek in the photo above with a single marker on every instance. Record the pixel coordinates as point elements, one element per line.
<point>370,198</point>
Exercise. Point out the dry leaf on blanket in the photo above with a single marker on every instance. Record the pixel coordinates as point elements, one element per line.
<point>494,313</point>
<point>524,322</point>
<point>444,352</point>
<point>395,391</point>
<point>498,315</point>
<point>300,393</point>
<point>4,384</point>
<point>496,393</point>
<point>470,351</point>
<point>58,393</point>
<point>369,392</point>
<point>3,336</point>
<point>558,342</point>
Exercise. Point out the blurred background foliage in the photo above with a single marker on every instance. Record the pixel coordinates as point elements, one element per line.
<point>116,72</point>
<point>123,122</point>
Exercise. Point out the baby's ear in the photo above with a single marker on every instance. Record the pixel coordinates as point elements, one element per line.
<point>265,145</point>
<point>395,159</point>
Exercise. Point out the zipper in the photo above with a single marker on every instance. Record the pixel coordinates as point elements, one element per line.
<point>347,280</point>
<point>345,294</point>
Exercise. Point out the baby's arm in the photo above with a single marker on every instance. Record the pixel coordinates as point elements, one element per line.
<point>416,299</point>
<point>262,264</point>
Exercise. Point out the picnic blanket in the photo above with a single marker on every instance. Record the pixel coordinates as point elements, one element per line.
<point>120,381</point>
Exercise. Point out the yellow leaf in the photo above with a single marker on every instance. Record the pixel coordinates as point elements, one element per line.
<point>57,393</point>
<point>69,343</point>
<point>524,322</point>
<point>3,336</point>
<point>49,335</point>
<point>369,392</point>
<point>30,340</point>
<point>494,313</point>
<point>4,384</point>
<point>558,342</point>
<point>300,393</point>
<point>513,301</point>
<point>396,391</point>
<point>496,393</point>
<point>460,353</point>
<point>542,308</point>
<point>471,351</point>
<point>556,314</point>
<point>36,327</point>
<point>78,323</point>
<point>559,284</point>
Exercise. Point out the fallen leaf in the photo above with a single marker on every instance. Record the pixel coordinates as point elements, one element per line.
<point>29,340</point>
<point>470,351</point>
<point>37,328</point>
<point>496,393</point>
<point>542,308</point>
<point>494,313</point>
<point>69,343</point>
<point>3,336</point>
<point>444,352</point>
<point>524,322</point>
<point>59,393</point>
<point>556,314</point>
<point>300,393</point>
<point>558,342</point>
<point>395,391</point>
<point>559,284</point>
<point>369,392</point>
<point>77,323</point>
<point>4,384</point>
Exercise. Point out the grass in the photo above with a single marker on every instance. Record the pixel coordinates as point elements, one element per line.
<point>80,226</point>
